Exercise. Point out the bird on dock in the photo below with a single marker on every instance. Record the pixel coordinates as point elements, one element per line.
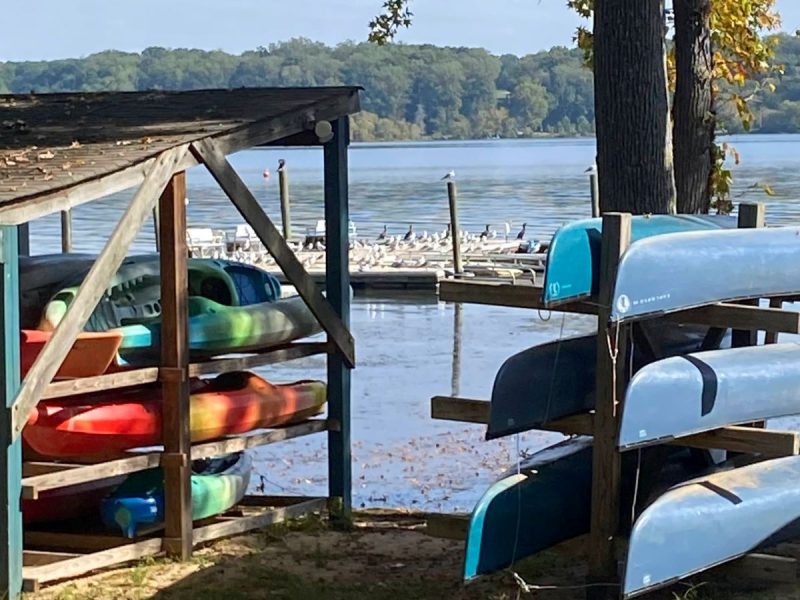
<point>281,164</point>
<point>450,175</point>
<point>485,233</point>
<point>382,234</point>
<point>592,169</point>
<point>409,234</point>
<point>521,234</point>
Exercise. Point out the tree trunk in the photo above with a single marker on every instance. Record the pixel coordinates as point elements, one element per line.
<point>693,105</point>
<point>632,107</point>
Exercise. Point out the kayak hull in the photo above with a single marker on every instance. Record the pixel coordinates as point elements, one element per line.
<point>217,486</point>
<point>109,423</point>
<point>90,355</point>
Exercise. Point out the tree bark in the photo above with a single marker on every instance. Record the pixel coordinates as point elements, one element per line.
<point>693,116</point>
<point>634,158</point>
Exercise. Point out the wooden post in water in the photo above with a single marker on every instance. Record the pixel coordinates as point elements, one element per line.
<point>283,184</point>
<point>452,196</point>
<point>455,381</point>
<point>594,188</point>
<point>66,231</point>
<point>157,227</point>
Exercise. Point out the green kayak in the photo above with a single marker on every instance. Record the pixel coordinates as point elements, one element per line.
<point>217,485</point>
<point>233,307</point>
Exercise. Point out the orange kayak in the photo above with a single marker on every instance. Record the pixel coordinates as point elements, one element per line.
<point>108,423</point>
<point>90,355</point>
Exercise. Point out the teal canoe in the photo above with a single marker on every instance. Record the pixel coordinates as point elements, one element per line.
<point>549,500</point>
<point>573,259</point>
<point>233,307</point>
<point>218,484</point>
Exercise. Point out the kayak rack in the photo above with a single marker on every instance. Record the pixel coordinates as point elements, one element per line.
<point>744,318</point>
<point>97,144</point>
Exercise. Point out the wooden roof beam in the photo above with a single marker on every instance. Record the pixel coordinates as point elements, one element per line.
<point>93,287</point>
<point>208,152</point>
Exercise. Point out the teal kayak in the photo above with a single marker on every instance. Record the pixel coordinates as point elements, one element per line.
<point>233,307</point>
<point>573,259</point>
<point>218,484</point>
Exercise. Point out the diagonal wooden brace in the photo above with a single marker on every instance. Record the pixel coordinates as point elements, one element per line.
<point>93,287</point>
<point>242,198</point>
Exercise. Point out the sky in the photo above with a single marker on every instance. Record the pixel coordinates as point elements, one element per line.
<point>48,29</point>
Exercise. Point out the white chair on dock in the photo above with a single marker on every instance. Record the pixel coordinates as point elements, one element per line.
<point>204,242</point>
<point>246,240</point>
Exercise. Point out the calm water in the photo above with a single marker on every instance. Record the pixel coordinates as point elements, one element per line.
<point>407,347</point>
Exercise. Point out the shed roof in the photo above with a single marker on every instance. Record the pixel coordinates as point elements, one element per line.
<point>52,145</point>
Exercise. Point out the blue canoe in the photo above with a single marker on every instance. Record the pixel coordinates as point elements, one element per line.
<point>678,271</point>
<point>698,392</point>
<point>217,485</point>
<point>573,259</point>
<point>549,501</point>
<point>712,520</point>
<point>556,379</point>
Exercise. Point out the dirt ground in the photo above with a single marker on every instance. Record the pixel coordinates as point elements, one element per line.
<point>385,556</point>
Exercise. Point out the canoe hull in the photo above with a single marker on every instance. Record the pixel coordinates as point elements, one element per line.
<point>698,392</point>
<point>556,379</point>
<point>109,423</point>
<point>678,271</point>
<point>711,520</point>
<point>216,488</point>
<point>573,259</point>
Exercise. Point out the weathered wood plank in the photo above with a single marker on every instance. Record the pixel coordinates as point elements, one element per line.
<point>237,444</point>
<point>742,317</point>
<point>240,363</point>
<point>447,526</point>
<point>67,542</point>
<point>752,440</point>
<point>251,211</point>
<point>762,567</point>
<point>268,517</point>
<point>503,294</point>
<point>87,385</point>
<point>91,562</point>
<point>611,364</point>
<point>175,360</point>
<point>93,287</point>
<point>33,485</point>
<point>35,558</point>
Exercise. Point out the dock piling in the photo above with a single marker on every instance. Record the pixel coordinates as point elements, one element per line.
<point>66,231</point>
<point>455,232</point>
<point>283,183</point>
<point>594,188</point>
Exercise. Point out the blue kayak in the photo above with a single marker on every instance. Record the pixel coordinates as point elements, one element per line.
<point>573,259</point>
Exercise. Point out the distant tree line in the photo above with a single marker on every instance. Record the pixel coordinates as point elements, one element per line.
<point>411,91</point>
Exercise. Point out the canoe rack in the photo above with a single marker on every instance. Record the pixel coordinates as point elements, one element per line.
<point>746,319</point>
<point>89,146</point>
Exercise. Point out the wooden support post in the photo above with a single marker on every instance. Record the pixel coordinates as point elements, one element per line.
<point>594,189</point>
<point>452,197</point>
<point>283,184</point>
<point>455,380</point>
<point>337,286</point>
<point>771,337</point>
<point>66,231</point>
<point>24,239</point>
<point>611,362</point>
<point>93,287</point>
<point>157,227</point>
<point>751,215</point>
<point>175,367</point>
<point>10,446</point>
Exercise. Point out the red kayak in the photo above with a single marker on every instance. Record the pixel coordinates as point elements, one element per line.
<point>90,355</point>
<point>108,423</point>
<point>69,502</point>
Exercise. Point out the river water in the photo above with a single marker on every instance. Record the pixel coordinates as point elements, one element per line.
<point>410,348</point>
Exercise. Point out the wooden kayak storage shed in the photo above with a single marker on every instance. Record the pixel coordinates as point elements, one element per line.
<point>58,151</point>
